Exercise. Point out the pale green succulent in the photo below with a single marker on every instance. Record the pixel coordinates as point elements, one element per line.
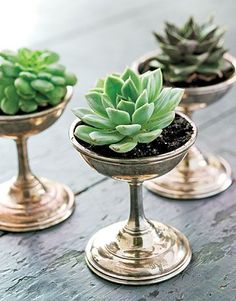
<point>191,52</point>
<point>30,79</point>
<point>127,109</point>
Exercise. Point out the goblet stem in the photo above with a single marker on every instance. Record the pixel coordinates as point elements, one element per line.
<point>27,188</point>
<point>137,221</point>
<point>24,172</point>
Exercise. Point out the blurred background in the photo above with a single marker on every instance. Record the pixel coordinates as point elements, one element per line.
<point>95,38</point>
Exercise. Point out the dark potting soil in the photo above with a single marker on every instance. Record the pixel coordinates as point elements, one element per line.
<point>144,67</point>
<point>171,138</point>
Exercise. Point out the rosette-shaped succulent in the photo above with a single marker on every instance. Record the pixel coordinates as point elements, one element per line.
<point>31,79</point>
<point>192,52</point>
<point>127,109</point>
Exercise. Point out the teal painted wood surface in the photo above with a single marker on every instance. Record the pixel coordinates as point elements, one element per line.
<point>95,38</point>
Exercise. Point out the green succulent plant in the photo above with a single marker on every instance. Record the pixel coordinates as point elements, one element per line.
<point>30,79</point>
<point>192,52</point>
<point>127,109</point>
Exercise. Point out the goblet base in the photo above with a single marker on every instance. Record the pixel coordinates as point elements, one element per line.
<point>151,255</point>
<point>34,208</point>
<point>194,180</point>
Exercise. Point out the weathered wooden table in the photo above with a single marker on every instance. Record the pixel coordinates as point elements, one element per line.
<point>94,38</point>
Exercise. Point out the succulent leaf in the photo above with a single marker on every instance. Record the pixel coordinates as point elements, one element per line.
<point>97,121</point>
<point>81,112</point>
<point>95,102</point>
<point>28,105</point>
<point>143,114</point>
<point>128,73</point>
<point>128,130</point>
<point>129,116</point>
<point>35,79</point>
<point>152,82</point>
<point>9,107</point>
<point>129,90</point>
<point>124,146</point>
<point>103,138</point>
<point>148,137</point>
<point>161,121</point>
<point>142,99</point>
<point>118,117</point>
<point>113,87</point>
<point>127,106</point>
<point>83,132</point>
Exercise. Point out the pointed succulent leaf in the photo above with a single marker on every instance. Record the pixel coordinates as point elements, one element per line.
<point>147,137</point>
<point>97,121</point>
<point>168,101</point>
<point>161,121</point>
<point>209,69</point>
<point>83,131</point>
<point>176,96</point>
<point>118,117</point>
<point>124,146</point>
<point>128,73</point>
<point>81,112</point>
<point>95,102</point>
<point>162,100</point>
<point>101,137</point>
<point>143,114</point>
<point>142,99</point>
<point>106,102</point>
<point>128,130</point>
<point>160,38</point>
<point>113,87</point>
<point>152,82</point>
<point>129,90</point>
<point>127,106</point>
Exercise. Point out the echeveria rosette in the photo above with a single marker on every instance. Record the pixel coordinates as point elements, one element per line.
<point>30,79</point>
<point>191,52</point>
<point>127,109</point>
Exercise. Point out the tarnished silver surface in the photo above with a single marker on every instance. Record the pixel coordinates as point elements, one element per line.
<point>198,175</point>
<point>138,251</point>
<point>26,202</point>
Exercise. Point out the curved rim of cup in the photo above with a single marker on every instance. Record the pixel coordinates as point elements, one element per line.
<point>83,150</point>
<point>42,113</point>
<point>199,90</point>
